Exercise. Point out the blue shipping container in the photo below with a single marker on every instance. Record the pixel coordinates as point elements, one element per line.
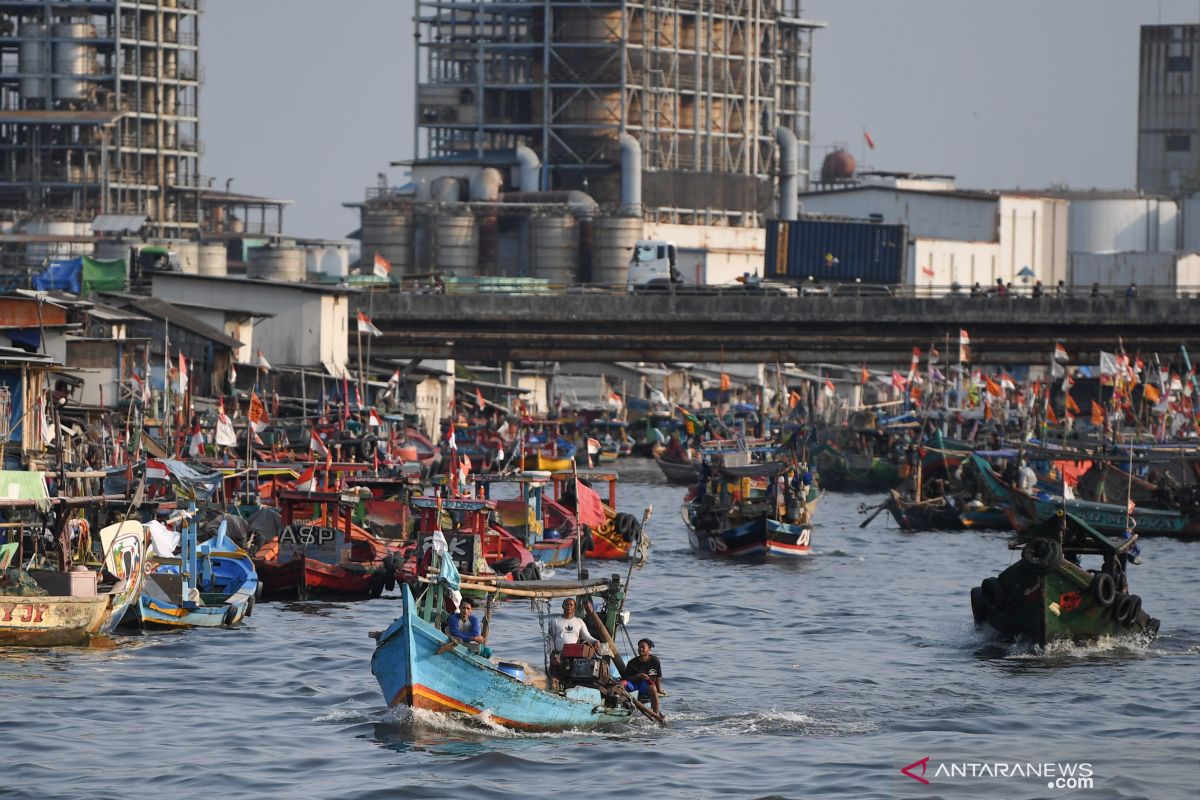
<point>836,251</point>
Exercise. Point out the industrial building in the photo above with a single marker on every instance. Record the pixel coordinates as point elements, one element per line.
<point>1168,140</point>
<point>549,133</point>
<point>99,112</point>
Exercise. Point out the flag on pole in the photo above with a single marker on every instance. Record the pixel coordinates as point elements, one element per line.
<point>155,470</point>
<point>589,509</point>
<point>869,140</point>
<point>479,401</point>
<point>865,376</point>
<point>1097,413</point>
<point>257,413</point>
<point>1071,405</point>
<point>196,442</point>
<point>1108,364</point>
<point>262,362</point>
<point>1130,506</point>
<point>593,446</point>
<point>316,445</point>
<point>366,326</point>
<point>964,346</point>
<point>1060,353</point>
<point>183,380</point>
<point>993,388</point>
<point>829,389</point>
<point>1150,393</point>
<point>224,437</point>
<point>898,380</point>
<point>725,384</point>
<point>382,268</point>
<point>307,480</point>
<point>232,376</point>
<point>373,419</point>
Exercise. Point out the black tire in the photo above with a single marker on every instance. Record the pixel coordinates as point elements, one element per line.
<point>1135,610</point>
<point>979,609</point>
<point>587,542</point>
<point>529,572</point>
<point>258,592</point>
<point>506,565</point>
<point>1104,589</point>
<point>376,588</point>
<point>249,606</point>
<point>1042,554</point>
<point>367,446</point>
<point>627,525</point>
<point>230,616</point>
<point>993,593</point>
<point>1122,608</point>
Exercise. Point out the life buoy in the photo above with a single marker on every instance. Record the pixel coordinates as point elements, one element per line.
<point>979,609</point>
<point>993,593</point>
<point>1042,554</point>
<point>1123,608</point>
<point>1104,589</point>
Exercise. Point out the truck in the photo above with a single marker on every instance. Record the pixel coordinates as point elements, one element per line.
<point>652,267</point>
<point>832,251</point>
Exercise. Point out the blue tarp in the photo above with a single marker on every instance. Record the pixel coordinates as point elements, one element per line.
<point>63,275</point>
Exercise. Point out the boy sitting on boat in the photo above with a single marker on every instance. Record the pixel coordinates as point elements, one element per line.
<point>644,673</point>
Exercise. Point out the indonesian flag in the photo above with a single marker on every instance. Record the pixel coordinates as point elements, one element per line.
<point>451,442</point>
<point>225,437</point>
<point>262,362</point>
<point>830,390</point>
<point>373,419</point>
<point>916,360</point>
<point>366,326</point>
<point>1060,353</point>
<point>593,446</point>
<point>382,268</point>
<point>479,401</point>
<point>724,382</point>
<point>589,509</point>
<point>155,470</point>
<point>1006,381</point>
<point>257,413</point>
<point>196,443</point>
<point>898,380</point>
<point>316,445</point>
<point>964,346</point>
<point>307,480</point>
<point>142,388</point>
<point>183,381</point>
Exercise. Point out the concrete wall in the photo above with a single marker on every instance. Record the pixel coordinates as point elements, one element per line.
<point>309,328</point>
<point>1144,269</point>
<point>942,262</point>
<point>928,215</point>
<point>1033,233</point>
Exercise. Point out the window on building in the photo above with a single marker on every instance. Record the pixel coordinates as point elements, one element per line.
<point>1179,64</point>
<point>1179,143</point>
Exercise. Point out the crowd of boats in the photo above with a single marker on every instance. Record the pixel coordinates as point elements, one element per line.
<point>506,506</point>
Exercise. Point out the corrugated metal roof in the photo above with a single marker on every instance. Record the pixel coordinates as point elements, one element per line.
<point>160,309</point>
<point>320,288</point>
<point>118,223</point>
<point>227,309</point>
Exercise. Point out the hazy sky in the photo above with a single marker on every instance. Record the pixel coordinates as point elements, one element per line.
<point>311,106</point>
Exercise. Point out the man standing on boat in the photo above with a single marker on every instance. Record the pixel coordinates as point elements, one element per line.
<point>564,630</point>
<point>464,627</point>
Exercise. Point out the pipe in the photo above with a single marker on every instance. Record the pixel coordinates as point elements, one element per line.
<point>788,149</point>
<point>631,175</point>
<point>580,203</point>
<point>529,166</point>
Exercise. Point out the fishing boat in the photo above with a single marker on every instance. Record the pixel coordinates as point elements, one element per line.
<point>325,553</point>
<point>210,584</point>
<point>621,535</point>
<point>48,608</point>
<point>751,511</point>
<point>478,547</point>
<point>419,666</point>
<point>546,528</point>
<point>1047,595</point>
<point>679,473</point>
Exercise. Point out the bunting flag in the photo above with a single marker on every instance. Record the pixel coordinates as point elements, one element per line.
<point>1060,353</point>
<point>257,413</point>
<point>224,436</point>
<point>1097,414</point>
<point>262,362</point>
<point>479,401</point>
<point>316,445</point>
<point>382,268</point>
<point>964,346</point>
<point>829,388</point>
<point>366,326</point>
<point>1150,393</point>
<point>724,382</point>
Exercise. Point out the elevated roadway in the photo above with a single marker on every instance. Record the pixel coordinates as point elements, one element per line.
<point>608,327</point>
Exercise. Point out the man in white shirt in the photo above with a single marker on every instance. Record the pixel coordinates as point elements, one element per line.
<point>564,630</point>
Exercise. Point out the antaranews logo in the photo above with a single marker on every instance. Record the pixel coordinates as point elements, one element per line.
<point>1056,774</point>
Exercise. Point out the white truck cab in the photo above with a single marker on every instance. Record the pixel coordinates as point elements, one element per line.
<point>652,266</point>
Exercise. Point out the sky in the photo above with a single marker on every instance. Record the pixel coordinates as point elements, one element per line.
<point>310,103</point>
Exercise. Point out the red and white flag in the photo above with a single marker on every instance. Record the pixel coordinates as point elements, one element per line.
<point>593,446</point>
<point>964,346</point>
<point>830,390</point>
<point>316,445</point>
<point>479,401</point>
<point>155,470</point>
<point>366,326</point>
<point>307,480</point>
<point>257,413</point>
<point>196,442</point>
<point>225,437</point>
<point>232,376</point>
<point>183,379</point>
<point>262,362</point>
<point>373,419</point>
<point>382,268</point>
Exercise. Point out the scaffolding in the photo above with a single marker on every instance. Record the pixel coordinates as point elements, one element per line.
<point>702,84</point>
<point>99,110</point>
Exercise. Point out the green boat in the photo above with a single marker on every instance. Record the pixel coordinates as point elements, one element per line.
<point>1048,596</point>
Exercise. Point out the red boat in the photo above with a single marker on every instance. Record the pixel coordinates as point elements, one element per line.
<point>477,546</point>
<point>326,555</point>
<point>620,537</point>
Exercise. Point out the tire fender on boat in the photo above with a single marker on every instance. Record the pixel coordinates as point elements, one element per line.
<point>993,593</point>
<point>249,605</point>
<point>1104,589</point>
<point>1123,607</point>
<point>1042,554</point>
<point>231,616</point>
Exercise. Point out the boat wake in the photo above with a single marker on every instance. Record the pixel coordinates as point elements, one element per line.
<point>770,723</point>
<point>1068,650</point>
<point>419,719</point>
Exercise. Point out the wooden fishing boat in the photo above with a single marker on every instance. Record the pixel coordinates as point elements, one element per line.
<point>621,536</point>
<point>70,607</point>
<point>478,547</point>
<point>210,585</point>
<point>1047,596</point>
<point>679,474</point>
<point>325,555</point>
<point>854,472</point>
<point>419,666</point>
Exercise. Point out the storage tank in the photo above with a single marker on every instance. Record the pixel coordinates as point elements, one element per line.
<point>329,259</point>
<point>456,239</point>
<point>554,249</point>
<point>38,252</point>
<point>389,232</point>
<point>189,256</point>
<point>115,249</point>
<point>1127,224</point>
<point>614,239</point>
<point>73,59</point>
<point>212,259</point>
<point>277,263</point>
<point>32,63</point>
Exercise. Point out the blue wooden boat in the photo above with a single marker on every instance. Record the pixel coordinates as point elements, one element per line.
<point>418,666</point>
<point>211,585</point>
<point>750,524</point>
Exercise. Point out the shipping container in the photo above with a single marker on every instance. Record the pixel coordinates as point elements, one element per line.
<point>836,251</point>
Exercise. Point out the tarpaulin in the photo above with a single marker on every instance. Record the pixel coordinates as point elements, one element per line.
<point>103,276</point>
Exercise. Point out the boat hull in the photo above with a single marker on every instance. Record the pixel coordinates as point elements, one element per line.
<point>414,670</point>
<point>787,540</point>
<point>679,474</point>
<point>52,621</point>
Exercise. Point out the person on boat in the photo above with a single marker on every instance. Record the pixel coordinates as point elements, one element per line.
<point>464,627</point>
<point>643,673</point>
<point>564,630</point>
<point>1026,477</point>
<point>674,452</point>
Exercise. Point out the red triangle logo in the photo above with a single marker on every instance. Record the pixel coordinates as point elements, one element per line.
<point>923,763</point>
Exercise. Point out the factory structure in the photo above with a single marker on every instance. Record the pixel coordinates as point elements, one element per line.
<point>553,135</point>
